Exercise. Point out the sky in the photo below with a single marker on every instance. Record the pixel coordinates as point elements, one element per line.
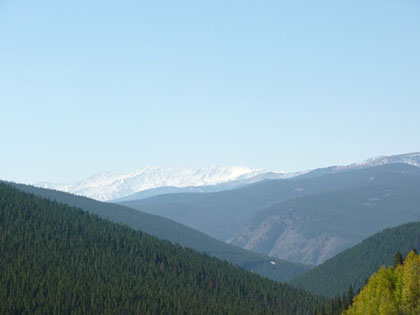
<point>91,86</point>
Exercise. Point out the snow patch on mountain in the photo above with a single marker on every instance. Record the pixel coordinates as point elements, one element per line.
<point>412,159</point>
<point>409,158</point>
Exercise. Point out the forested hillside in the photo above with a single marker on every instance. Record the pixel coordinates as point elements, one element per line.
<point>177,233</point>
<point>391,291</point>
<point>355,265</point>
<point>60,259</point>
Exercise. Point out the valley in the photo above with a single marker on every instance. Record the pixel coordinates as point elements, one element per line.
<point>314,231</point>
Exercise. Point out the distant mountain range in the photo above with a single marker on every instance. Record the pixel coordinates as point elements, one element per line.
<point>108,186</point>
<point>306,219</point>
<point>148,193</point>
<point>152,180</point>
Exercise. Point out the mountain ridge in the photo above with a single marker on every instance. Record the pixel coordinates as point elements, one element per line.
<point>225,214</point>
<point>108,186</point>
<point>150,180</point>
<point>241,203</point>
<point>176,233</point>
<point>313,228</point>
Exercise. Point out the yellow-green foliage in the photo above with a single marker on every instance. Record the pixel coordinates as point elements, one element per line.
<point>391,291</point>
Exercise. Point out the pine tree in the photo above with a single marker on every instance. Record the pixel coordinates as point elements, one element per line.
<point>350,295</point>
<point>398,260</point>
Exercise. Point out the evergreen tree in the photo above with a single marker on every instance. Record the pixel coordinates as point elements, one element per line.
<point>398,260</point>
<point>350,295</point>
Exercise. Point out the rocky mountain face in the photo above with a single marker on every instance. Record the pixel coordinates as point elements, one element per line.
<point>279,236</point>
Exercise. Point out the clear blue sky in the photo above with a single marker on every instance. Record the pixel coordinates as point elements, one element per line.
<point>89,86</point>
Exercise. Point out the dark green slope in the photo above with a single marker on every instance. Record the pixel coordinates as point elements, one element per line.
<point>177,233</point>
<point>314,228</point>
<point>57,259</point>
<point>355,265</point>
<point>224,214</point>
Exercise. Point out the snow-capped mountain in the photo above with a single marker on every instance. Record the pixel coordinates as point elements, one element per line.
<point>109,186</point>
